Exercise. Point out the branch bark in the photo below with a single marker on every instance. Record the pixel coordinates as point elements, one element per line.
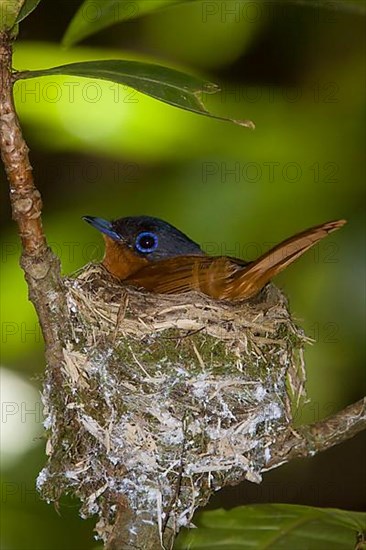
<point>40,265</point>
<point>315,438</point>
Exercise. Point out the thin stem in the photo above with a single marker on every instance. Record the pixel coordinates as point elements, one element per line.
<point>41,266</point>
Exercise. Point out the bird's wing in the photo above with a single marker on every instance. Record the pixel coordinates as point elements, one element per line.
<point>184,273</point>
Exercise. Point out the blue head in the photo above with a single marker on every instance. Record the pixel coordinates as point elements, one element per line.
<point>148,237</point>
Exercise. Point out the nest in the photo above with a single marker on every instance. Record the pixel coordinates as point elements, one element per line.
<point>165,399</point>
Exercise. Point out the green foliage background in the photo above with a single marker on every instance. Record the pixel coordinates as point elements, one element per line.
<point>100,149</point>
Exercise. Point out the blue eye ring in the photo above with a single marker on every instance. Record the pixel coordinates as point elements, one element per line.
<point>150,244</point>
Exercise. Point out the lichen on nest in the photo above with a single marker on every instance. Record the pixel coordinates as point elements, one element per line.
<point>166,398</point>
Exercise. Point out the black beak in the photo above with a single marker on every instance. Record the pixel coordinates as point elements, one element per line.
<point>103,226</point>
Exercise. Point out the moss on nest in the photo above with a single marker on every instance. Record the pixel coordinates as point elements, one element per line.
<point>166,399</point>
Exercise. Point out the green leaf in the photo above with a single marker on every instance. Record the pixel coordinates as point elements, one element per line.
<point>94,15</point>
<point>162,83</point>
<point>9,10</point>
<point>275,527</point>
<point>27,8</point>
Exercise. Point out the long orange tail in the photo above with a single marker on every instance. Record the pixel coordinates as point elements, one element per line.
<point>248,281</point>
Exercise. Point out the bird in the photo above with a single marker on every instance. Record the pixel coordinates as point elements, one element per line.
<point>151,254</point>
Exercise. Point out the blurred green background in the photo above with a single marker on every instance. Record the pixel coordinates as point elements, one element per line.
<point>101,149</point>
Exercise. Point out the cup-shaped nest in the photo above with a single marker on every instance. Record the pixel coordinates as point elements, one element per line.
<point>163,399</point>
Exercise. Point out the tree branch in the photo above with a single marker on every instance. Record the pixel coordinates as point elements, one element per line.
<point>41,266</point>
<point>315,438</point>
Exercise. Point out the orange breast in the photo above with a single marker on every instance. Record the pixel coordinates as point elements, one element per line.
<point>120,260</point>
